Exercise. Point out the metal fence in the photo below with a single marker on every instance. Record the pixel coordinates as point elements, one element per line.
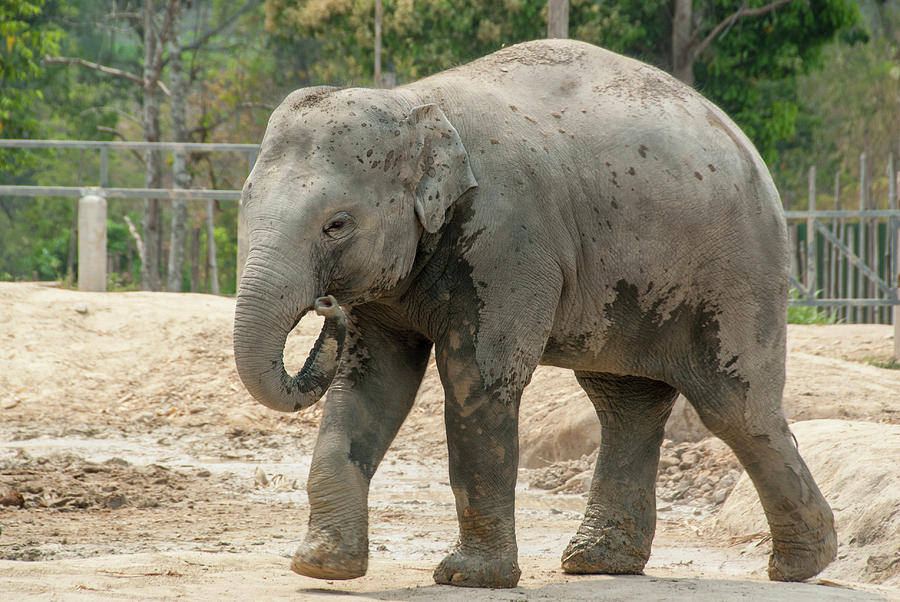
<point>847,262</point>
<point>249,150</point>
<point>103,190</point>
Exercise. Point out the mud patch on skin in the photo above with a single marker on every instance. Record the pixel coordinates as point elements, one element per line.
<point>537,53</point>
<point>312,97</point>
<point>681,348</point>
<point>645,85</point>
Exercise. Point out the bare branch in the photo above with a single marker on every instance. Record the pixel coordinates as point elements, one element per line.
<point>124,15</point>
<point>740,13</point>
<point>102,69</point>
<point>204,130</point>
<point>121,136</point>
<point>94,66</point>
<point>171,16</point>
<point>118,112</point>
<point>203,39</point>
<point>113,131</point>
<point>138,241</point>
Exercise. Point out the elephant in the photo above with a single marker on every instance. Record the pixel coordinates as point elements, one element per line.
<point>550,203</point>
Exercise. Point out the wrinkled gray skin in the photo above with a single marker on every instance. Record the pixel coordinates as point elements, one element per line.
<point>552,203</point>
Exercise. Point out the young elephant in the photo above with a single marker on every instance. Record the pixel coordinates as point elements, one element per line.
<point>552,203</point>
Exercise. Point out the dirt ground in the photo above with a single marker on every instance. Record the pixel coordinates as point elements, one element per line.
<point>133,464</point>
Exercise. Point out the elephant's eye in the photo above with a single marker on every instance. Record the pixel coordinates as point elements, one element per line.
<point>337,225</point>
<point>334,225</point>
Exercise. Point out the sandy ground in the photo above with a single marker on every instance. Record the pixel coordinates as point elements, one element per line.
<point>134,465</point>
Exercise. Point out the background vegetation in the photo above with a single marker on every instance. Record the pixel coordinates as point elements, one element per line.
<point>811,82</point>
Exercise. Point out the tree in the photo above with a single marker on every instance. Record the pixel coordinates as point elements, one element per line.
<point>851,106</point>
<point>181,175</point>
<point>158,27</point>
<point>154,31</point>
<point>690,40</point>
<point>24,39</point>
<point>746,55</point>
<point>419,36</point>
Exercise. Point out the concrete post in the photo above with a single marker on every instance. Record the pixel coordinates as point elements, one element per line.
<point>92,243</point>
<point>558,18</point>
<point>812,282</point>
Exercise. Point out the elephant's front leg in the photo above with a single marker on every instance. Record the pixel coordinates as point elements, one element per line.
<point>368,401</point>
<point>482,437</point>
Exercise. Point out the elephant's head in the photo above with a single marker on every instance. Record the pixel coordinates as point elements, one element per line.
<point>345,184</point>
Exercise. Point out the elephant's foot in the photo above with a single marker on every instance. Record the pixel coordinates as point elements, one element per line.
<point>800,558</point>
<point>326,555</point>
<point>609,549</point>
<point>469,568</point>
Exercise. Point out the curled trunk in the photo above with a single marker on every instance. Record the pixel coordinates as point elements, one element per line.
<point>260,331</point>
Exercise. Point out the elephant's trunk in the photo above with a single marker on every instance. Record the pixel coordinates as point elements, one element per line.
<point>261,326</point>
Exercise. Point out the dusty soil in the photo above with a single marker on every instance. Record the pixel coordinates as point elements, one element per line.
<point>134,465</point>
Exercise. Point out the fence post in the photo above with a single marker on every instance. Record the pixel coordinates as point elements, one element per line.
<point>834,289</point>
<point>92,243</point>
<point>811,237</point>
<point>861,292</point>
<point>104,167</point>
<point>212,262</point>
<point>895,263</point>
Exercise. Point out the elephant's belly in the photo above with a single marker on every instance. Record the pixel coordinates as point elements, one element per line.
<point>579,352</point>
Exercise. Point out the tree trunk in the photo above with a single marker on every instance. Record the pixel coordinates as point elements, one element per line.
<point>152,222</point>
<point>73,248</point>
<point>181,175</point>
<point>558,18</point>
<point>212,264</point>
<point>682,59</point>
<point>378,19</point>
<point>195,260</point>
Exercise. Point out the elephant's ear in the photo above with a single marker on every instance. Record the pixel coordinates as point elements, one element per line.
<point>437,172</point>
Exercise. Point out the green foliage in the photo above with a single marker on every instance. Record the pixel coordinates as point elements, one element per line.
<point>754,70</point>
<point>760,69</point>
<point>805,314</point>
<point>24,40</point>
<point>420,36</point>
<point>888,364</point>
<point>751,69</point>
<point>35,235</point>
<point>808,314</point>
<point>850,106</point>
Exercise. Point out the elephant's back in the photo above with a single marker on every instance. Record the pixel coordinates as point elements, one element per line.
<point>564,95</point>
<point>563,109</point>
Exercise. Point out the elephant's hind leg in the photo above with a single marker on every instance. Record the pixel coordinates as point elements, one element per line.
<point>749,419</point>
<point>620,518</point>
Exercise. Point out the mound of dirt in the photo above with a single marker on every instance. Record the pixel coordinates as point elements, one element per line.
<point>855,465</point>
<point>698,475</point>
<point>88,359</point>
